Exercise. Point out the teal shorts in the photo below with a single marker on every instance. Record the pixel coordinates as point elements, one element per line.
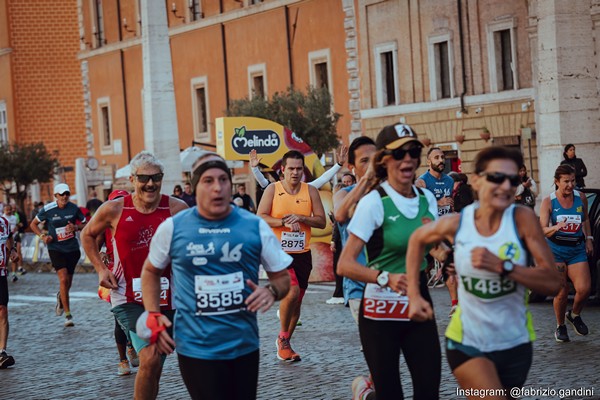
<point>127,315</point>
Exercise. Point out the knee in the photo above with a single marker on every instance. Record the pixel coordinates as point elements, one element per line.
<point>3,313</point>
<point>150,361</point>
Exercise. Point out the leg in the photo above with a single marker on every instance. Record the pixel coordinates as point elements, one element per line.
<point>121,341</point>
<point>148,375</point>
<point>452,285</point>
<point>3,327</point>
<point>580,276</point>
<point>206,379</point>
<point>423,355</point>
<point>560,300</point>
<point>478,373</point>
<point>65,280</point>
<point>244,371</point>
<point>288,310</point>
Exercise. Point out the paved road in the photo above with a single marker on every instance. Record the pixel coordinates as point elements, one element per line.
<point>53,362</point>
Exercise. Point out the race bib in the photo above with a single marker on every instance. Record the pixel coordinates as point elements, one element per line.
<point>293,241</point>
<point>488,289</point>
<point>62,234</point>
<point>443,210</point>
<point>165,290</point>
<point>383,304</point>
<point>219,294</point>
<point>573,223</point>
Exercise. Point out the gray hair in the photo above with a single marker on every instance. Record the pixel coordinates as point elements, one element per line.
<point>145,158</point>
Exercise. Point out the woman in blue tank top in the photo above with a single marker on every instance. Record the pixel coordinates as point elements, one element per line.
<point>564,218</point>
<point>488,344</point>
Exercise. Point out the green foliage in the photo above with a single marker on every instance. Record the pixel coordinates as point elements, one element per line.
<point>23,165</point>
<point>310,115</point>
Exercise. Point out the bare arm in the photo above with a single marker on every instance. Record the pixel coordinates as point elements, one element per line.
<point>265,206</point>
<point>105,217</point>
<point>344,202</point>
<point>262,298</point>
<point>420,183</point>
<point>317,220</point>
<point>545,221</point>
<point>587,230</point>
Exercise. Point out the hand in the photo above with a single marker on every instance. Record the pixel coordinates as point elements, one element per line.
<point>47,239</point>
<point>398,283</point>
<point>14,256</point>
<point>446,201</point>
<point>589,247</point>
<point>560,225</point>
<point>292,218</point>
<point>254,160</point>
<point>107,279</point>
<point>261,298</point>
<point>419,309</point>
<point>482,258</point>
<point>295,227</point>
<point>527,184</point>
<point>165,343</point>
<point>71,227</point>
<point>342,154</point>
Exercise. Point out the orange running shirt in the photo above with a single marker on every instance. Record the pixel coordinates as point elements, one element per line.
<point>299,204</point>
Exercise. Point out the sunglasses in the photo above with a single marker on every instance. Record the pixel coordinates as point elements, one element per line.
<point>498,178</point>
<point>400,153</point>
<point>146,178</point>
<point>67,194</point>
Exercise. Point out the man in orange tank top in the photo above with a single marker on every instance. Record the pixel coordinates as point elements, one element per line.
<point>292,207</point>
<point>132,221</point>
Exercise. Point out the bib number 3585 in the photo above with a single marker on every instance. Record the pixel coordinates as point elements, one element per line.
<point>219,294</point>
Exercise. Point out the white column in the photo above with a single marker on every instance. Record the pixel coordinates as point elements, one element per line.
<point>567,103</point>
<point>161,135</point>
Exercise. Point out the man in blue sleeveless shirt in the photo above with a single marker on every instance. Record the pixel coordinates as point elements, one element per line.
<point>215,251</point>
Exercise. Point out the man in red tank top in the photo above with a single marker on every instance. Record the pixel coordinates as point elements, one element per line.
<point>132,221</point>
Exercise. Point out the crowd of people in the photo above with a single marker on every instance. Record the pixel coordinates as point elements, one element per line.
<point>182,271</point>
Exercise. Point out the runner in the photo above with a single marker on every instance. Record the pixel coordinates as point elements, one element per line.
<point>7,252</point>
<point>133,220</point>
<point>383,222</point>
<point>63,219</point>
<point>12,219</point>
<point>360,154</point>
<point>565,221</point>
<point>125,349</point>
<point>215,250</point>
<point>291,208</point>
<point>442,186</point>
<point>488,340</point>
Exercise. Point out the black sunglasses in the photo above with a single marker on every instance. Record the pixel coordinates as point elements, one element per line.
<point>499,178</point>
<point>64,194</point>
<point>399,153</point>
<point>145,178</point>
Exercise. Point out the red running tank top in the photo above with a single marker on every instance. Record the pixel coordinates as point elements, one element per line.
<point>131,244</point>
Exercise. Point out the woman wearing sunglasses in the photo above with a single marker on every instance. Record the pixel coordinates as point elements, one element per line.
<point>565,222</point>
<point>488,340</point>
<point>383,221</point>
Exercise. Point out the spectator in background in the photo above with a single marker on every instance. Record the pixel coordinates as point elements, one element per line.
<point>37,206</point>
<point>527,189</point>
<point>17,265</point>
<point>462,193</point>
<point>188,196</point>
<point>177,191</point>
<point>577,163</point>
<point>248,203</point>
<point>93,203</point>
<point>348,179</point>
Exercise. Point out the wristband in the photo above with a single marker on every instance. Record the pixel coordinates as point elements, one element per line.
<point>42,235</point>
<point>590,237</point>
<point>340,164</point>
<point>147,326</point>
<point>273,291</point>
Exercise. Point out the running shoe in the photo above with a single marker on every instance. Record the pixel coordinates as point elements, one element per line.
<point>284,350</point>
<point>14,277</point>
<point>580,328</point>
<point>21,271</point>
<point>335,300</point>
<point>59,307</point>
<point>6,360</point>
<point>361,388</point>
<point>561,334</point>
<point>123,368</point>
<point>133,357</point>
<point>69,321</point>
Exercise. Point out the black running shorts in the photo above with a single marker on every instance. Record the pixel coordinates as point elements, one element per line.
<point>3,287</point>
<point>64,260</point>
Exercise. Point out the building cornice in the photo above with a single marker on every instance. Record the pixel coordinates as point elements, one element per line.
<point>475,100</point>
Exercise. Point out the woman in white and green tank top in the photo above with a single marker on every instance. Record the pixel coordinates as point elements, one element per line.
<point>488,341</point>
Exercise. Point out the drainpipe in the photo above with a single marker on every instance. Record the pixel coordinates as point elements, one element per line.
<point>124,83</point>
<point>462,57</point>
<point>225,63</point>
<point>289,42</point>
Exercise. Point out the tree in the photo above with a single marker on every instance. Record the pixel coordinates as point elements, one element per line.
<point>310,115</point>
<point>22,165</point>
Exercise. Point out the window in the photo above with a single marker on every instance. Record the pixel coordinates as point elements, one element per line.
<point>200,108</point>
<point>386,81</point>
<point>195,10</point>
<point>441,65</point>
<point>257,82</point>
<point>98,28</point>
<point>319,63</point>
<point>104,126</point>
<point>3,125</point>
<point>502,55</point>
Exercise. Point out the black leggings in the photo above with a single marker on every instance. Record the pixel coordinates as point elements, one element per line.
<point>221,379</point>
<point>382,342</point>
<point>120,336</point>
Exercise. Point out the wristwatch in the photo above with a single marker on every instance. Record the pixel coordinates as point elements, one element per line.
<point>507,267</point>
<point>383,279</point>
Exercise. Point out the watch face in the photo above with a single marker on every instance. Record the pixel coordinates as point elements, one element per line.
<point>508,266</point>
<point>383,279</point>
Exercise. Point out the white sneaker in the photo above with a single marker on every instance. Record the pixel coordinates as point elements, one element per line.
<point>361,387</point>
<point>69,321</point>
<point>335,300</point>
<point>133,357</point>
<point>123,368</point>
